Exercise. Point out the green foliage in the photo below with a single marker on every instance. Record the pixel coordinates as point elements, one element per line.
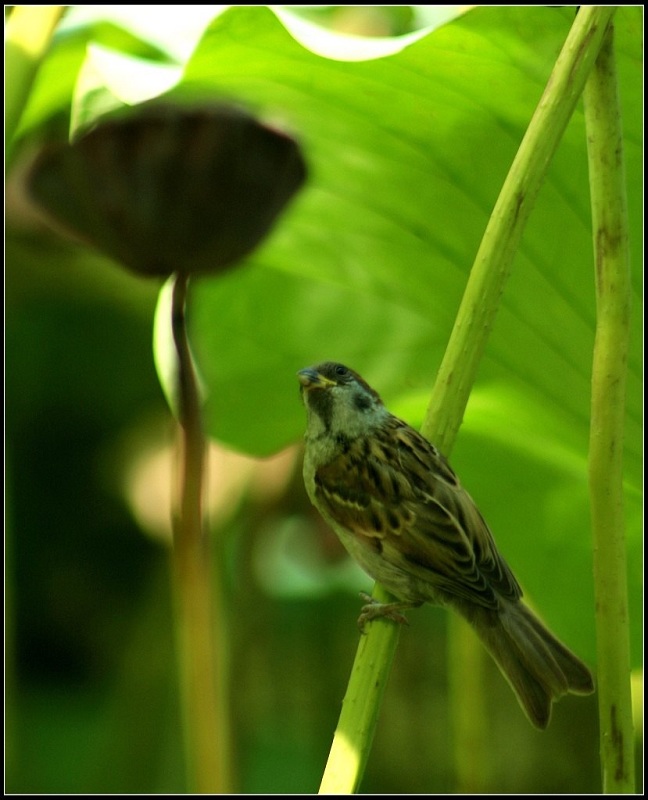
<point>407,153</point>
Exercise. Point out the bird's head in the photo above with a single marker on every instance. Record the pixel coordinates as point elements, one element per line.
<point>338,401</point>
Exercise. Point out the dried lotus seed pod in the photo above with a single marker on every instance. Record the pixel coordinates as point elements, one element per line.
<point>165,189</point>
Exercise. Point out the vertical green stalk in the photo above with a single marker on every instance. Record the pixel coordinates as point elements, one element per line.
<point>202,672</point>
<point>28,33</point>
<point>613,291</point>
<point>456,375</point>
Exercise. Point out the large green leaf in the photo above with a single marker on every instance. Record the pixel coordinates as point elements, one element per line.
<point>407,154</point>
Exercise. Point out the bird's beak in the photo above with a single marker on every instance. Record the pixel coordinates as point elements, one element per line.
<point>310,378</point>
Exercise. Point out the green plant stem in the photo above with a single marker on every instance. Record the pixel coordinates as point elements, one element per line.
<point>28,33</point>
<point>202,674</point>
<point>456,375</point>
<point>613,292</point>
<point>477,314</point>
<point>499,244</point>
<point>354,734</point>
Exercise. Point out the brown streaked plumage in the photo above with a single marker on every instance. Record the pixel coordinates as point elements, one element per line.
<point>402,514</point>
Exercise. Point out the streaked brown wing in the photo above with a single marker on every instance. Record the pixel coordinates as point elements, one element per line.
<point>401,488</point>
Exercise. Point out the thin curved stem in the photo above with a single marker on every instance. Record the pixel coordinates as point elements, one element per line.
<point>457,373</point>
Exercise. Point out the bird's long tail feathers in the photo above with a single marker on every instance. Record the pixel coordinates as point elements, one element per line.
<point>539,668</point>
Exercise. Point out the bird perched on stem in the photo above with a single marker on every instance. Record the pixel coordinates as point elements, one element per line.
<point>402,514</point>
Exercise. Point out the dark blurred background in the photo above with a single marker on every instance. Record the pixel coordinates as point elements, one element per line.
<point>92,694</point>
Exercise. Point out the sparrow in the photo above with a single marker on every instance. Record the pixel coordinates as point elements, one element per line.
<point>402,514</point>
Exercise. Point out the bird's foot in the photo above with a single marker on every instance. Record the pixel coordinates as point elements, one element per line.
<point>375,609</point>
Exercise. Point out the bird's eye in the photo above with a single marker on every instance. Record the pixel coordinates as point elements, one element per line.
<point>341,371</point>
